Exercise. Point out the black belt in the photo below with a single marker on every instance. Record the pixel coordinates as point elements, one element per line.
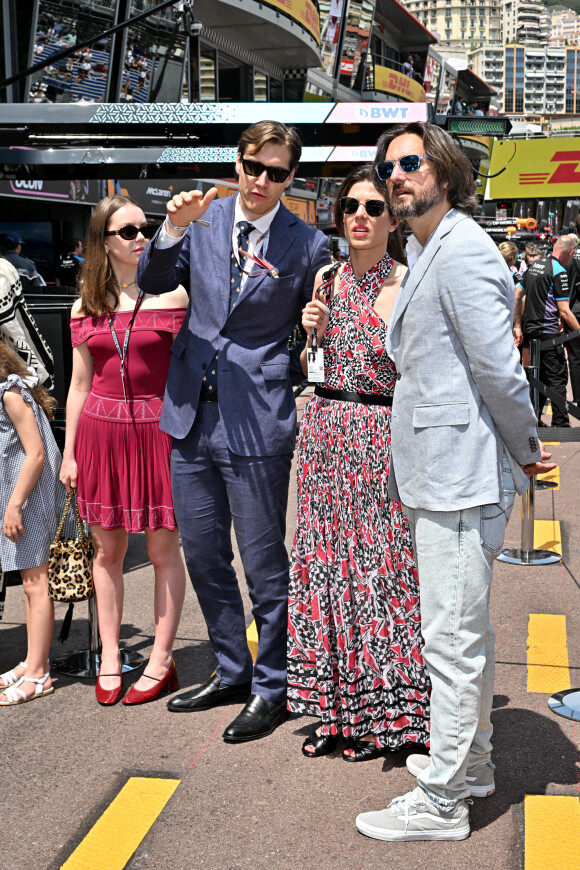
<point>206,396</point>
<point>344,396</point>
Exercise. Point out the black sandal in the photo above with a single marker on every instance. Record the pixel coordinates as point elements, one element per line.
<point>364,750</point>
<point>321,744</point>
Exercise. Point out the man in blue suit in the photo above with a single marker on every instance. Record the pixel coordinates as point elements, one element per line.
<point>229,407</point>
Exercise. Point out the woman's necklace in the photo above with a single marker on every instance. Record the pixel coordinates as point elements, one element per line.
<point>124,286</point>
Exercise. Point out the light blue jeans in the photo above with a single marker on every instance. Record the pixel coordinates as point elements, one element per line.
<point>455,551</point>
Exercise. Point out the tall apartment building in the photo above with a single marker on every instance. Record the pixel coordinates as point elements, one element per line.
<point>537,80</point>
<point>487,62</point>
<point>461,24</point>
<point>523,20</point>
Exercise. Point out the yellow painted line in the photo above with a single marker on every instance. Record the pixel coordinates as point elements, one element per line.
<point>547,536</point>
<point>550,443</point>
<point>552,839</point>
<point>114,838</point>
<point>548,665</point>
<point>553,475</point>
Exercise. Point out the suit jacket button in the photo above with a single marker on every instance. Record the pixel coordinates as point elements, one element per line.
<point>533,445</point>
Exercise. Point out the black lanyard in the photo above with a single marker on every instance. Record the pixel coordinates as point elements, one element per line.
<point>123,354</point>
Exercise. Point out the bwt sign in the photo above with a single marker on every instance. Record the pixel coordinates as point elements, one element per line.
<point>373,113</point>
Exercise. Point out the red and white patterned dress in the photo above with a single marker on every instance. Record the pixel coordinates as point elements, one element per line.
<point>354,642</point>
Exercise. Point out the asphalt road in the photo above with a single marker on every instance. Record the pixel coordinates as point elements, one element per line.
<point>264,805</point>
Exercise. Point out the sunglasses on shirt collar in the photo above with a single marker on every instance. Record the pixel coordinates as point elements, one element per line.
<point>408,164</point>
<point>373,207</point>
<point>131,232</point>
<point>277,174</point>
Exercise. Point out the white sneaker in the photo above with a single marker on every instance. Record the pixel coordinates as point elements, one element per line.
<point>479,778</point>
<point>411,817</point>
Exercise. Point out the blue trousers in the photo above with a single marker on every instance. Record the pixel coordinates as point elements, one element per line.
<point>213,488</point>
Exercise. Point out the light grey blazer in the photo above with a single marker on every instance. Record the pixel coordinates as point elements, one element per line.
<point>462,393</point>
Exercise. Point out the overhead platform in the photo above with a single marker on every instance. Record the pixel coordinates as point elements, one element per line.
<point>159,140</point>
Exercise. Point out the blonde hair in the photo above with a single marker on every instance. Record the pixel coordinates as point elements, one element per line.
<point>509,251</point>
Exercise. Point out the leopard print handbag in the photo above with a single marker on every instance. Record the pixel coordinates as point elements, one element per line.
<point>70,565</point>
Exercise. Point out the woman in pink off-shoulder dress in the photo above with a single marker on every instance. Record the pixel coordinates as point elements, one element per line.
<point>115,453</point>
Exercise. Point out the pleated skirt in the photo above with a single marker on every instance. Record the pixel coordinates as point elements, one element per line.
<point>124,479</point>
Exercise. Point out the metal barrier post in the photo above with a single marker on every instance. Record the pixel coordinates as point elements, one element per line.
<point>566,704</point>
<point>527,555</point>
<point>534,370</point>
<point>86,662</point>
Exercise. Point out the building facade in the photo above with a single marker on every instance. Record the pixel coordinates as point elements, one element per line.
<point>460,23</point>
<point>564,26</point>
<point>525,21</point>
<point>488,62</point>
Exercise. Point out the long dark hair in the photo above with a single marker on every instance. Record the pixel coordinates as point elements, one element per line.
<point>96,280</point>
<point>12,364</point>
<point>451,164</point>
<point>366,172</point>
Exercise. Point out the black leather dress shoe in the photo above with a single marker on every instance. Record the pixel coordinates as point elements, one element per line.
<point>211,694</point>
<point>257,719</point>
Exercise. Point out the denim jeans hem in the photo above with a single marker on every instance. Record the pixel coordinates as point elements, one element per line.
<point>444,805</point>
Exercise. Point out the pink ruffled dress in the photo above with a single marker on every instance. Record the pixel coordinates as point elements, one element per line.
<point>122,455</point>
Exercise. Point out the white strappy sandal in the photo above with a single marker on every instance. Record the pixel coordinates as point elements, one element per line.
<point>10,678</point>
<point>16,695</point>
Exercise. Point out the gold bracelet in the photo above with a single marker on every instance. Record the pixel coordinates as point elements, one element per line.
<point>173,227</point>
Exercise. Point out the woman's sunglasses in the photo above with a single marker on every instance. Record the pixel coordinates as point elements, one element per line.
<point>277,174</point>
<point>131,232</point>
<point>408,164</point>
<point>373,207</point>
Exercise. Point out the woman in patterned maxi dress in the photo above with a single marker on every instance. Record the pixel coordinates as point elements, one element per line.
<point>354,642</point>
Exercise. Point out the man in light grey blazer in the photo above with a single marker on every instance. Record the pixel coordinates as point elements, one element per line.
<point>464,440</point>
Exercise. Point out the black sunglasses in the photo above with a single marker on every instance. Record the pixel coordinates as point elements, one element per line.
<point>131,232</point>
<point>409,164</point>
<point>373,207</point>
<point>277,174</point>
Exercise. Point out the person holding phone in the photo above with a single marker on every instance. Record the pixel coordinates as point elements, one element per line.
<point>354,641</point>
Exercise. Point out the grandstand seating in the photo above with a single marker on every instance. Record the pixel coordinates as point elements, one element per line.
<point>92,88</point>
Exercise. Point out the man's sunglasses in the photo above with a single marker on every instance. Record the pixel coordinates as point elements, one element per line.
<point>373,207</point>
<point>408,164</point>
<point>277,174</point>
<point>131,232</point>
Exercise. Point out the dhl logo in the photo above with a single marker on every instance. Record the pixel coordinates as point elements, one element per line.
<point>397,83</point>
<point>566,172</point>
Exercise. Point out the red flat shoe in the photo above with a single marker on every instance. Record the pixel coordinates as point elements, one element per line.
<point>108,697</point>
<point>168,683</point>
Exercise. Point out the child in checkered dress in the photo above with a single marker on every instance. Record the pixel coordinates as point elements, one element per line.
<point>31,502</point>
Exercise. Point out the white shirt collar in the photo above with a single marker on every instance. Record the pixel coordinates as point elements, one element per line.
<point>413,250</point>
<point>261,224</point>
